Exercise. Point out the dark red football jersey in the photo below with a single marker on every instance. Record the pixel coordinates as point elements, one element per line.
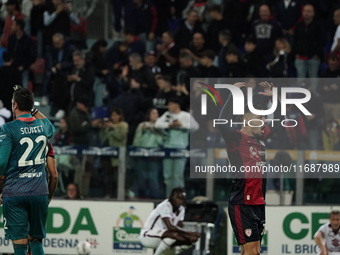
<point>244,151</point>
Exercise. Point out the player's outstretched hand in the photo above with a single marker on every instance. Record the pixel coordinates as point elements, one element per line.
<point>268,89</point>
<point>240,84</point>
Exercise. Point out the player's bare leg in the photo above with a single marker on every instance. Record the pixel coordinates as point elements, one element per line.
<point>242,250</point>
<point>252,248</point>
<point>170,239</point>
<point>20,246</point>
<point>36,246</point>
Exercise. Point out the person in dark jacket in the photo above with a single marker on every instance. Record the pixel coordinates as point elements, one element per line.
<point>130,100</point>
<point>266,30</point>
<point>96,57</point>
<point>57,20</point>
<point>187,71</point>
<point>168,54</point>
<point>197,47</point>
<point>224,38</point>
<point>333,70</point>
<point>308,45</point>
<point>278,68</point>
<point>80,127</point>
<point>187,29</point>
<point>236,14</point>
<point>139,71</point>
<point>208,70</point>
<point>22,49</point>
<point>37,24</point>
<point>145,20</point>
<point>10,76</point>
<point>135,44</point>
<point>236,68</point>
<point>14,12</point>
<point>62,61</point>
<point>81,79</point>
<point>217,24</point>
<point>252,59</point>
<point>288,14</point>
<point>165,92</point>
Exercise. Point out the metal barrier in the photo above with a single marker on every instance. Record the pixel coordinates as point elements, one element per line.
<point>210,154</point>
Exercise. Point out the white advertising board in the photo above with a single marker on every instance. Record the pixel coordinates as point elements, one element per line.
<point>110,227</point>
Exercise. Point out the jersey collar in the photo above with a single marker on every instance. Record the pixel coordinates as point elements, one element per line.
<point>26,117</point>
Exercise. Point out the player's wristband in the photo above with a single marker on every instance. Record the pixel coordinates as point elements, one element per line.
<point>34,111</point>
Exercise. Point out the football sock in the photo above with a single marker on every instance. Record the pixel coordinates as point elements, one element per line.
<point>165,244</point>
<point>36,247</point>
<point>20,249</point>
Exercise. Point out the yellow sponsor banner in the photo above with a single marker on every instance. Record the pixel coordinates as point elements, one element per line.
<point>323,155</point>
<point>270,154</point>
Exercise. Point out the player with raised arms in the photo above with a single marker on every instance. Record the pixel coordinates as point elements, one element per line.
<point>246,148</point>
<point>163,228</point>
<point>328,236</point>
<point>25,190</point>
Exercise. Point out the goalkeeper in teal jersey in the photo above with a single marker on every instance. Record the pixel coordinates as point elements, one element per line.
<point>25,189</point>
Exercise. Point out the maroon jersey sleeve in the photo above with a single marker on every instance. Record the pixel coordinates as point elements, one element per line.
<point>50,152</point>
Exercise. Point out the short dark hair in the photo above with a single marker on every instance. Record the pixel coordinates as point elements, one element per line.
<point>24,98</point>
<point>233,51</point>
<point>185,55</point>
<point>167,78</point>
<point>175,100</point>
<point>170,33</point>
<point>14,2</point>
<point>6,56</point>
<point>130,31</point>
<point>251,39</point>
<point>209,54</point>
<point>215,8</point>
<point>226,34</point>
<point>247,110</point>
<point>99,43</point>
<point>20,23</point>
<point>334,212</point>
<point>176,191</point>
<point>119,111</point>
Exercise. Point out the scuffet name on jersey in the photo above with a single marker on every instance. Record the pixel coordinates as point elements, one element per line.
<point>30,175</point>
<point>31,130</point>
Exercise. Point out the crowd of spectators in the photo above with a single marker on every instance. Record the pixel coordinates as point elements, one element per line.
<point>144,77</point>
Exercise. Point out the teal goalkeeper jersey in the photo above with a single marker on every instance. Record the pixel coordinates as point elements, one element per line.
<point>25,174</point>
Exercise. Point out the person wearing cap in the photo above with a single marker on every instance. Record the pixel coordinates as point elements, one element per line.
<point>150,60</point>
<point>176,125</point>
<point>14,13</point>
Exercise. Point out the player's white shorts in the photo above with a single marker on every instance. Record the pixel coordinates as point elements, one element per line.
<point>152,238</point>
